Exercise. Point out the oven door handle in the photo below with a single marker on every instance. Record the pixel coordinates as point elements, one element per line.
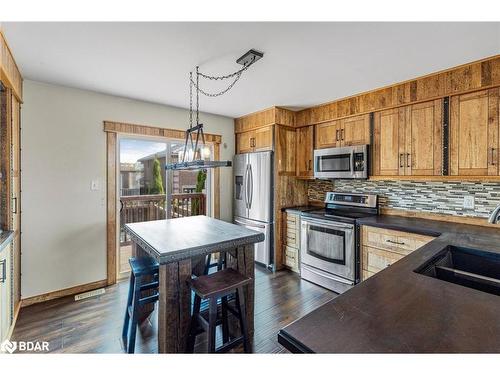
<point>325,223</point>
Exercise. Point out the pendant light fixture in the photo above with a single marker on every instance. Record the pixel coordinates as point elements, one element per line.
<point>196,154</point>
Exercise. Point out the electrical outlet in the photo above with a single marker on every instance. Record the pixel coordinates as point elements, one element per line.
<point>469,202</point>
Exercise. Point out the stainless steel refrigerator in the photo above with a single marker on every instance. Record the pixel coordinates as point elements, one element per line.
<point>253,199</point>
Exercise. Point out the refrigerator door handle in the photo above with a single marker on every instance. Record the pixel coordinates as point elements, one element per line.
<point>251,186</point>
<point>245,183</point>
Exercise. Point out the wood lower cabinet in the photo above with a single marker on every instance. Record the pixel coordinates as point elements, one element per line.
<point>255,140</point>
<point>351,131</point>
<point>408,140</point>
<point>474,134</point>
<point>380,248</point>
<point>291,240</point>
<point>6,297</point>
<point>305,151</point>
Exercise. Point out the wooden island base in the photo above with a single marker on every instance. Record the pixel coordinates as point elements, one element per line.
<point>174,306</point>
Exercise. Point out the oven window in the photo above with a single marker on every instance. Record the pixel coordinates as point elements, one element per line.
<point>326,244</point>
<point>334,163</point>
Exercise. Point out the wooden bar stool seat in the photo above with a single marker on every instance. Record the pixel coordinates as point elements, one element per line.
<point>221,284</point>
<point>143,277</point>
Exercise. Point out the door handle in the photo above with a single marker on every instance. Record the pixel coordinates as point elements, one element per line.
<point>492,156</point>
<point>401,156</point>
<point>251,185</point>
<point>408,160</point>
<point>337,135</point>
<point>341,134</point>
<point>14,205</point>
<point>4,270</point>
<point>246,185</point>
<point>309,166</point>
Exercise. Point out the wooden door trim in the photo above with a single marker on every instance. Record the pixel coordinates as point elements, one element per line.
<point>112,129</point>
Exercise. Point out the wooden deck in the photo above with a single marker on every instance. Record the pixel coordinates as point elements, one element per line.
<point>94,325</point>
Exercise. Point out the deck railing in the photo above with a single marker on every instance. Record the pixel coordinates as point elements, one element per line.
<point>137,208</point>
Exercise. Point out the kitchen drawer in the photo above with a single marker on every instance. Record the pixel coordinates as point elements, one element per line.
<point>292,238</point>
<point>375,260</point>
<point>393,240</point>
<point>292,258</point>
<point>291,230</point>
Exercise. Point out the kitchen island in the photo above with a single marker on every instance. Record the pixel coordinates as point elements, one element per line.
<point>180,246</point>
<point>400,310</point>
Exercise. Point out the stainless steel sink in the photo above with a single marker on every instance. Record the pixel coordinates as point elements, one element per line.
<point>472,268</point>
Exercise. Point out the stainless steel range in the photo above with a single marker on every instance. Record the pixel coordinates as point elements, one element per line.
<point>330,240</point>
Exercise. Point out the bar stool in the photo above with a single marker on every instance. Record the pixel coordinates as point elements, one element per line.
<point>212,287</point>
<point>140,268</point>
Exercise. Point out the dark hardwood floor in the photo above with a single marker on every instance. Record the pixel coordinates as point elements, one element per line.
<point>94,325</point>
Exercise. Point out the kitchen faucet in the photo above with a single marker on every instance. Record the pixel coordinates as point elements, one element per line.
<point>495,215</point>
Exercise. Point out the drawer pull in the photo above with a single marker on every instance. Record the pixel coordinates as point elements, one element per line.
<point>3,270</point>
<point>395,242</point>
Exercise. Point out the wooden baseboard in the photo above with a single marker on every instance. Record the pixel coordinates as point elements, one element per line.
<point>440,217</point>
<point>63,293</point>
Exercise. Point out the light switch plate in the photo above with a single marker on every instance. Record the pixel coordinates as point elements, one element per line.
<point>94,185</point>
<point>469,202</point>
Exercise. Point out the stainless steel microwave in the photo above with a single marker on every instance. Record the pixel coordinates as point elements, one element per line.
<point>341,162</point>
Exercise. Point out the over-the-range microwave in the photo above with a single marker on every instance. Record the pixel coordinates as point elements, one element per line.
<point>341,162</point>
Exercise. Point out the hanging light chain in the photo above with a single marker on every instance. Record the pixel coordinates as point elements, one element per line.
<point>215,78</point>
<point>190,99</point>
<point>236,74</point>
<point>197,96</point>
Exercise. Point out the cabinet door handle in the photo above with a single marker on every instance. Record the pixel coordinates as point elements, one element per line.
<point>395,242</point>
<point>401,156</point>
<point>3,269</point>
<point>309,166</point>
<point>14,205</point>
<point>341,134</point>
<point>408,160</point>
<point>337,135</point>
<point>492,156</point>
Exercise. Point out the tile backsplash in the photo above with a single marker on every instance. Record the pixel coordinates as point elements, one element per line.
<point>436,197</point>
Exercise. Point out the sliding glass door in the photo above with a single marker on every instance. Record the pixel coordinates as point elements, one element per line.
<point>148,192</point>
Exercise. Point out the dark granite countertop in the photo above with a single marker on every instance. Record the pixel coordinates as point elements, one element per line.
<point>5,238</point>
<point>401,311</point>
<point>176,239</point>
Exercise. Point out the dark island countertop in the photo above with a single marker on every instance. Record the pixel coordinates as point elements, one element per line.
<point>172,240</point>
<point>400,311</point>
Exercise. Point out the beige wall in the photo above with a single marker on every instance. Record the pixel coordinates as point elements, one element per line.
<point>63,150</point>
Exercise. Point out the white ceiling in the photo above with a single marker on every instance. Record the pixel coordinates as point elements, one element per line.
<point>304,63</point>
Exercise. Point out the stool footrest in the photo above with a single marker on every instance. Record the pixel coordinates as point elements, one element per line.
<point>149,299</point>
<point>152,285</point>
<point>229,345</point>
